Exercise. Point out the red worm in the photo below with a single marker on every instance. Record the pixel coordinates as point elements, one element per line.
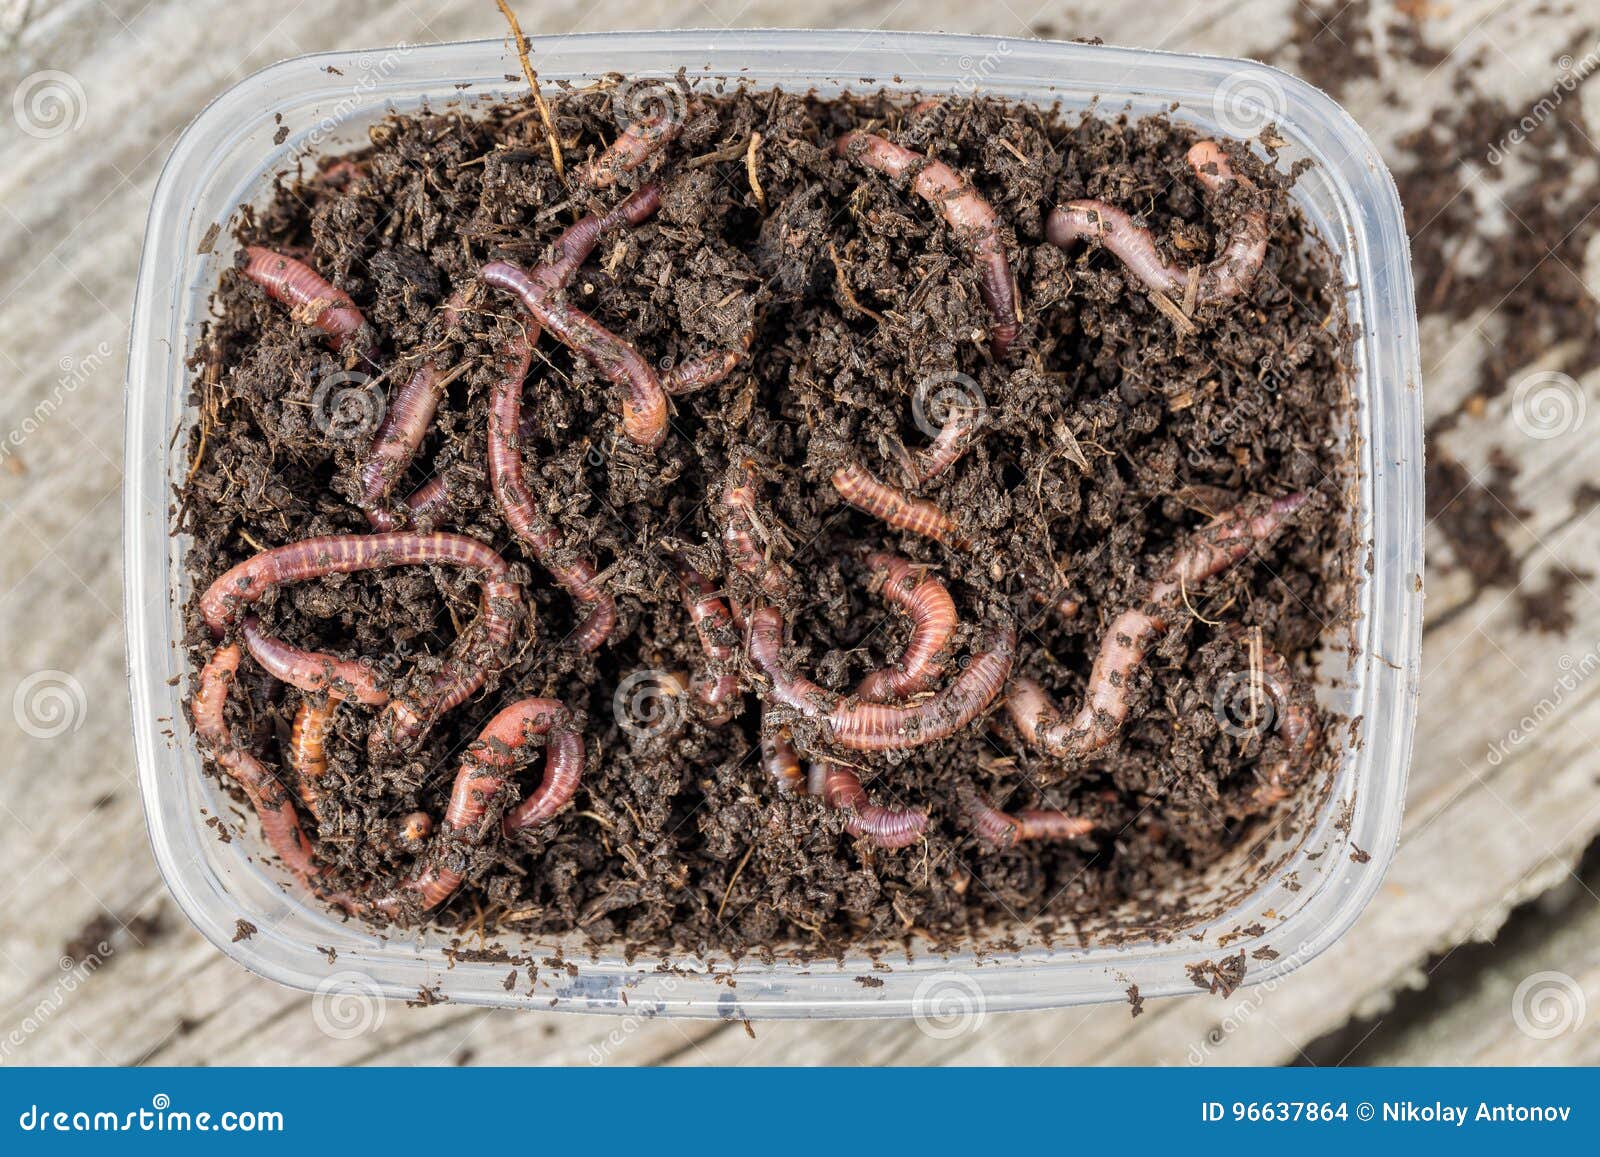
<point>273,806</point>
<point>948,448</point>
<point>426,502</point>
<point>888,827</point>
<point>973,219</point>
<point>1298,730</point>
<point>717,688</point>
<point>633,147</point>
<point>700,373</point>
<point>644,411</point>
<point>1207,553</point>
<point>313,671</point>
<point>779,759</point>
<point>484,770</point>
<point>465,670</point>
<point>306,292</point>
<point>308,748</point>
<point>576,573</point>
<point>410,413</point>
<point>933,620</point>
<point>860,726</point>
<point>1232,273</point>
<point>741,526</point>
<point>1007,828</point>
<point>860,488</point>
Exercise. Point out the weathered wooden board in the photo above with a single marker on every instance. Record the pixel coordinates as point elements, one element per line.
<point>1492,820</point>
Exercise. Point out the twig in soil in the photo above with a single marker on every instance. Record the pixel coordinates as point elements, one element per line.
<point>971,217</point>
<point>521,43</point>
<point>734,879</point>
<point>840,789</point>
<point>858,726</point>
<point>860,488</point>
<point>933,620</point>
<point>1232,273</point>
<point>844,287</point>
<point>1206,554</point>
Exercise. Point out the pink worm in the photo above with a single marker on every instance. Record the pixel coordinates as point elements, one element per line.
<point>739,531</point>
<point>578,575</point>
<point>1207,553</point>
<point>410,412</point>
<point>933,620</point>
<point>633,147</point>
<point>644,411</point>
<point>888,827</point>
<point>1298,730</point>
<point>1232,273</point>
<point>485,768</point>
<point>309,296</point>
<point>464,672</point>
<point>860,488</point>
<point>1007,828</point>
<point>313,671</point>
<point>308,748</point>
<point>718,688</point>
<point>279,823</point>
<point>948,447</point>
<point>859,726</point>
<point>973,219</point>
<point>779,759</point>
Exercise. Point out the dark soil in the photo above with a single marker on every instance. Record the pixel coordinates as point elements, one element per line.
<point>1109,437</point>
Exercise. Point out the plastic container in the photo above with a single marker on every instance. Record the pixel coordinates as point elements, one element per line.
<point>1313,890</point>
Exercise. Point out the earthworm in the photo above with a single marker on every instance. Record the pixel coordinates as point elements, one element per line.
<point>948,447</point>
<point>464,672</point>
<point>405,423</point>
<point>484,769</point>
<point>861,726</point>
<point>415,828</point>
<point>1207,553</point>
<point>699,373</point>
<point>741,525</point>
<point>971,217</point>
<point>308,753</point>
<point>312,671</point>
<point>860,488</point>
<point>1007,828</point>
<point>309,296</point>
<point>426,501</point>
<point>577,574</point>
<point>717,688</point>
<point>887,827</point>
<point>635,145</point>
<point>1297,726</point>
<point>933,619</point>
<point>279,823</point>
<point>779,759</point>
<point>644,411</point>
<point>1233,271</point>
